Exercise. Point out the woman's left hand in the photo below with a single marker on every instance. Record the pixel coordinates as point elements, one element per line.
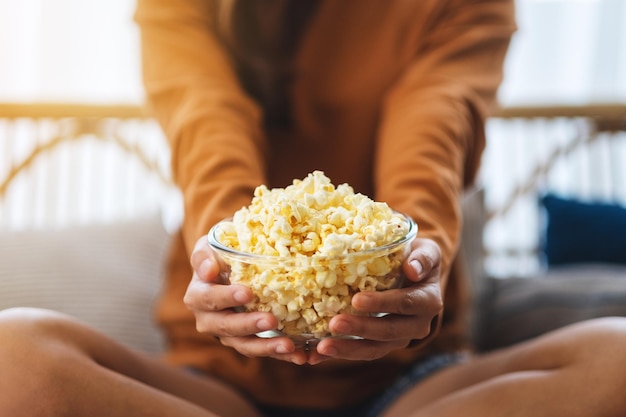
<point>410,309</point>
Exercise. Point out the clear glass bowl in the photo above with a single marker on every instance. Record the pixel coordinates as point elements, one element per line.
<point>305,292</point>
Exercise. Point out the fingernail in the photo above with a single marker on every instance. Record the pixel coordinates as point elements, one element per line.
<point>282,349</point>
<point>298,360</point>
<point>342,327</point>
<point>417,266</point>
<point>205,268</point>
<point>314,360</point>
<point>330,351</point>
<point>263,324</point>
<point>240,296</point>
<point>363,301</point>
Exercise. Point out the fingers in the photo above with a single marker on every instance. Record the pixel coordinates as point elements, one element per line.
<point>411,311</point>
<point>207,264</point>
<point>228,323</point>
<point>207,296</point>
<point>364,350</point>
<point>390,328</point>
<point>214,304</point>
<point>423,261</point>
<point>281,348</point>
<point>374,338</point>
<point>237,330</point>
<point>421,299</point>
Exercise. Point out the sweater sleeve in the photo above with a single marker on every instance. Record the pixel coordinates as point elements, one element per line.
<point>432,128</point>
<point>214,129</point>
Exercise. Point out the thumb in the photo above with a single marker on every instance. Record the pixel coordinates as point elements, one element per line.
<point>425,257</point>
<point>204,262</point>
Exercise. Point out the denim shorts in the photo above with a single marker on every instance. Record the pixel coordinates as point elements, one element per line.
<point>374,407</point>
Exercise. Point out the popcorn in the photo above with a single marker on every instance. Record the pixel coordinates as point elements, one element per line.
<point>312,246</point>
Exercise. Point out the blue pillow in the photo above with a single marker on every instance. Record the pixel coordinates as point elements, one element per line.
<point>583,231</point>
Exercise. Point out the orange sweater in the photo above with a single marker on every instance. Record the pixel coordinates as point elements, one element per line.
<point>390,96</point>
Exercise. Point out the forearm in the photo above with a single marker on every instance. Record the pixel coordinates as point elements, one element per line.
<point>213,127</point>
<point>432,132</point>
<point>420,167</point>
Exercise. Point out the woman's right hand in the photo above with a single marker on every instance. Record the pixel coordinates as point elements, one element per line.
<point>212,303</point>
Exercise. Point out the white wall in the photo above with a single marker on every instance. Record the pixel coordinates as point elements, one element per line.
<point>566,51</point>
<point>69,50</point>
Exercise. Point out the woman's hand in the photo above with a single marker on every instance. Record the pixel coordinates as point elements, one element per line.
<point>411,311</point>
<point>212,303</point>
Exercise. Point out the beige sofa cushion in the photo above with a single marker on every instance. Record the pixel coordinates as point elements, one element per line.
<point>106,275</point>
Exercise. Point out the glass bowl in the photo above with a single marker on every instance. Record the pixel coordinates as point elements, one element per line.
<point>305,292</point>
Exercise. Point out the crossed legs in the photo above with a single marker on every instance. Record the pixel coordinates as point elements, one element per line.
<point>54,366</point>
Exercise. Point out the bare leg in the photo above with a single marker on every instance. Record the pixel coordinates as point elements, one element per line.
<point>579,370</point>
<point>54,366</point>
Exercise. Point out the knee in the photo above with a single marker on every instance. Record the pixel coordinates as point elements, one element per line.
<point>19,324</point>
<point>32,360</point>
<point>596,343</point>
<point>600,339</point>
<point>605,333</point>
<point>604,342</point>
<point>23,329</point>
<point>33,335</point>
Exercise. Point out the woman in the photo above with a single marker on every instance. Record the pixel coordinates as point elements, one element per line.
<point>388,96</point>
